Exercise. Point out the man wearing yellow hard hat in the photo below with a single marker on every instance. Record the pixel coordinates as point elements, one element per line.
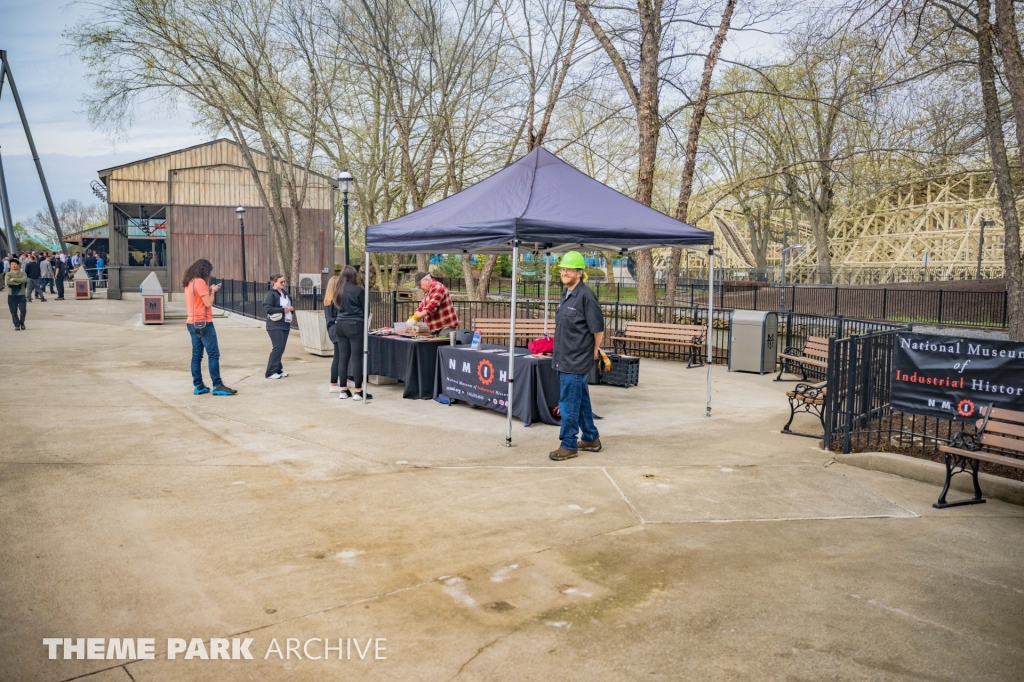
<point>579,328</point>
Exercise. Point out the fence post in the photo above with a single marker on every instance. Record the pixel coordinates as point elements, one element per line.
<point>851,376</point>
<point>835,306</point>
<point>1004,307</point>
<point>792,296</point>
<point>940,307</point>
<point>789,329</point>
<point>394,308</point>
<point>755,297</point>
<point>830,395</point>
<point>839,326</point>
<point>885,300</point>
<point>616,326</point>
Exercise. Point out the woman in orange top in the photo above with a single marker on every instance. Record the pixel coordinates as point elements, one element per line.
<point>199,320</point>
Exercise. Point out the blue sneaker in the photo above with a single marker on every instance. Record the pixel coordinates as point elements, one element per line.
<point>200,390</point>
<point>221,389</point>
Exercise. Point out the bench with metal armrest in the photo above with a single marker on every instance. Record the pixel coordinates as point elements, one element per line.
<point>810,399</point>
<point>813,355</point>
<point>999,440</point>
<point>690,336</point>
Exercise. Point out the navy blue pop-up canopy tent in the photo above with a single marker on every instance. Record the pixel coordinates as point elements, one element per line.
<point>538,204</point>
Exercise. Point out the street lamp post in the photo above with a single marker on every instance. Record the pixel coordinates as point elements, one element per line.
<point>345,186</point>
<point>241,228</point>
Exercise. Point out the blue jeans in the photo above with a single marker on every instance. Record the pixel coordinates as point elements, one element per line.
<point>574,405</point>
<point>209,342</point>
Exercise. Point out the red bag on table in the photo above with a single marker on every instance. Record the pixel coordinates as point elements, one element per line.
<point>541,346</point>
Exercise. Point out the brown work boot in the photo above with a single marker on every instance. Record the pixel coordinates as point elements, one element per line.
<point>590,445</point>
<point>562,454</point>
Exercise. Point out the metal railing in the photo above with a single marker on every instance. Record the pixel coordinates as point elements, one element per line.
<point>858,414</point>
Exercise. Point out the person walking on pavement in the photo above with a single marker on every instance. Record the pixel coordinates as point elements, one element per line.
<point>278,307</point>
<point>33,272</point>
<point>199,320</point>
<point>16,282</point>
<point>89,262</point>
<point>579,329</point>
<point>46,273</point>
<point>60,273</point>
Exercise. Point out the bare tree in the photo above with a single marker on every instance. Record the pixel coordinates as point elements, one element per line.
<point>74,216</point>
<point>230,61</point>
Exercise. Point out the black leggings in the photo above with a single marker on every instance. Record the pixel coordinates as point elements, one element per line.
<point>334,365</point>
<point>17,306</point>
<point>279,338</point>
<point>350,349</point>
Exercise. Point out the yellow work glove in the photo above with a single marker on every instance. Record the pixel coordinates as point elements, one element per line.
<point>412,320</point>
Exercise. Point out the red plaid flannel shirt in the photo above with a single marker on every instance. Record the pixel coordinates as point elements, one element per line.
<point>436,308</point>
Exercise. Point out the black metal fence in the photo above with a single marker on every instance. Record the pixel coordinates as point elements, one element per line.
<point>922,306</point>
<point>858,416</point>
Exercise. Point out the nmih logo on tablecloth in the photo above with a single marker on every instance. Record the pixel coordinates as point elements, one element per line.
<point>485,372</point>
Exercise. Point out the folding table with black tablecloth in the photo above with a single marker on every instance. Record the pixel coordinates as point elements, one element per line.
<point>409,360</point>
<point>480,379</point>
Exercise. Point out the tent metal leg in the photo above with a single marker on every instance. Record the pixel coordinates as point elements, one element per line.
<point>711,319</point>
<point>512,342</point>
<point>5,209</point>
<point>547,291</point>
<point>366,327</point>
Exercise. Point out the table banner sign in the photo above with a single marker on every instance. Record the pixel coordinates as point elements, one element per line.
<point>478,381</point>
<point>952,377</point>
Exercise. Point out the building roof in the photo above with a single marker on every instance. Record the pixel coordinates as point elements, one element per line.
<point>103,173</point>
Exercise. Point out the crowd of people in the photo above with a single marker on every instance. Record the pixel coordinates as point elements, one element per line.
<point>579,328</point>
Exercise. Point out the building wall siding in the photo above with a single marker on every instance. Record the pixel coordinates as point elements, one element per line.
<point>212,233</point>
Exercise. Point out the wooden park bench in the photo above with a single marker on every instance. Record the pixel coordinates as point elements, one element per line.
<point>810,399</point>
<point>689,336</point>
<point>813,356</point>
<point>999,440</point>
<point>496,329</point>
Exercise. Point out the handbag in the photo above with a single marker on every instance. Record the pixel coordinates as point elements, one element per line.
<point>199,327</point>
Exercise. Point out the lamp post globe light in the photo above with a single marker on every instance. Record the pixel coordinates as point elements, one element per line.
<point>241,228</point>
<point>345,186</point>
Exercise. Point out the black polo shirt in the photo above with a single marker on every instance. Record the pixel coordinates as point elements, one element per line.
<point>577,319</point>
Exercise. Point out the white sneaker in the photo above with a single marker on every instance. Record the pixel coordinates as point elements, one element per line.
<point>284,374</point>
<point>344,395</point>
<point>357,396</point>
<point>335,389</point>
<point>274,376</point>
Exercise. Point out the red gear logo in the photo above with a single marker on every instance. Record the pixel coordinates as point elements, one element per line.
<point>965,408</point>
<point>485,377</point>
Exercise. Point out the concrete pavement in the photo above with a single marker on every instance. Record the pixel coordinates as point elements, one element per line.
<point>691,548</point>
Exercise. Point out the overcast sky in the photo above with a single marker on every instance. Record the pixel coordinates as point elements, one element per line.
<point>51,84</point>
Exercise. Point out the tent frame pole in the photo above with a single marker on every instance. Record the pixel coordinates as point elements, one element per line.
<point>547,291</point>
<point>711,319</point>
<point>366,329</point>
<point>512,343</point>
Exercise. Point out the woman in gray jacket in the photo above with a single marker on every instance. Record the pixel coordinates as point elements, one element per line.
<point>278,307</point>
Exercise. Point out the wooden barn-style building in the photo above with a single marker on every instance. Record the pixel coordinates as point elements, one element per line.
<point>166,211</point>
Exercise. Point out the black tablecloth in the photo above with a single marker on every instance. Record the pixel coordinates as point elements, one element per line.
<point>410,361</point>
<point>480,379</point>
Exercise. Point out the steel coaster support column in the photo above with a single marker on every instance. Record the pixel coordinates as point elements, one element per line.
<point>512,342</point>
<point>366,326</point>
<point>6,68</point>
<point>5,204</point>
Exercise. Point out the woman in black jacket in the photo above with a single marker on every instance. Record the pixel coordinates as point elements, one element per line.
<point>279,322</point>
<point>331,318</point>
<point>348,305</point>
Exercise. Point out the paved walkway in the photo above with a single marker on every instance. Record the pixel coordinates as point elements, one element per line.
<point>691,548</point>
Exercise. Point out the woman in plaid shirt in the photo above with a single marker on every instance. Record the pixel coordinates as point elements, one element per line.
<point>436,308</point>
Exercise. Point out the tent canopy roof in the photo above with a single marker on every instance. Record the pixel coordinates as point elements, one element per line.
<point>544,203</point>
